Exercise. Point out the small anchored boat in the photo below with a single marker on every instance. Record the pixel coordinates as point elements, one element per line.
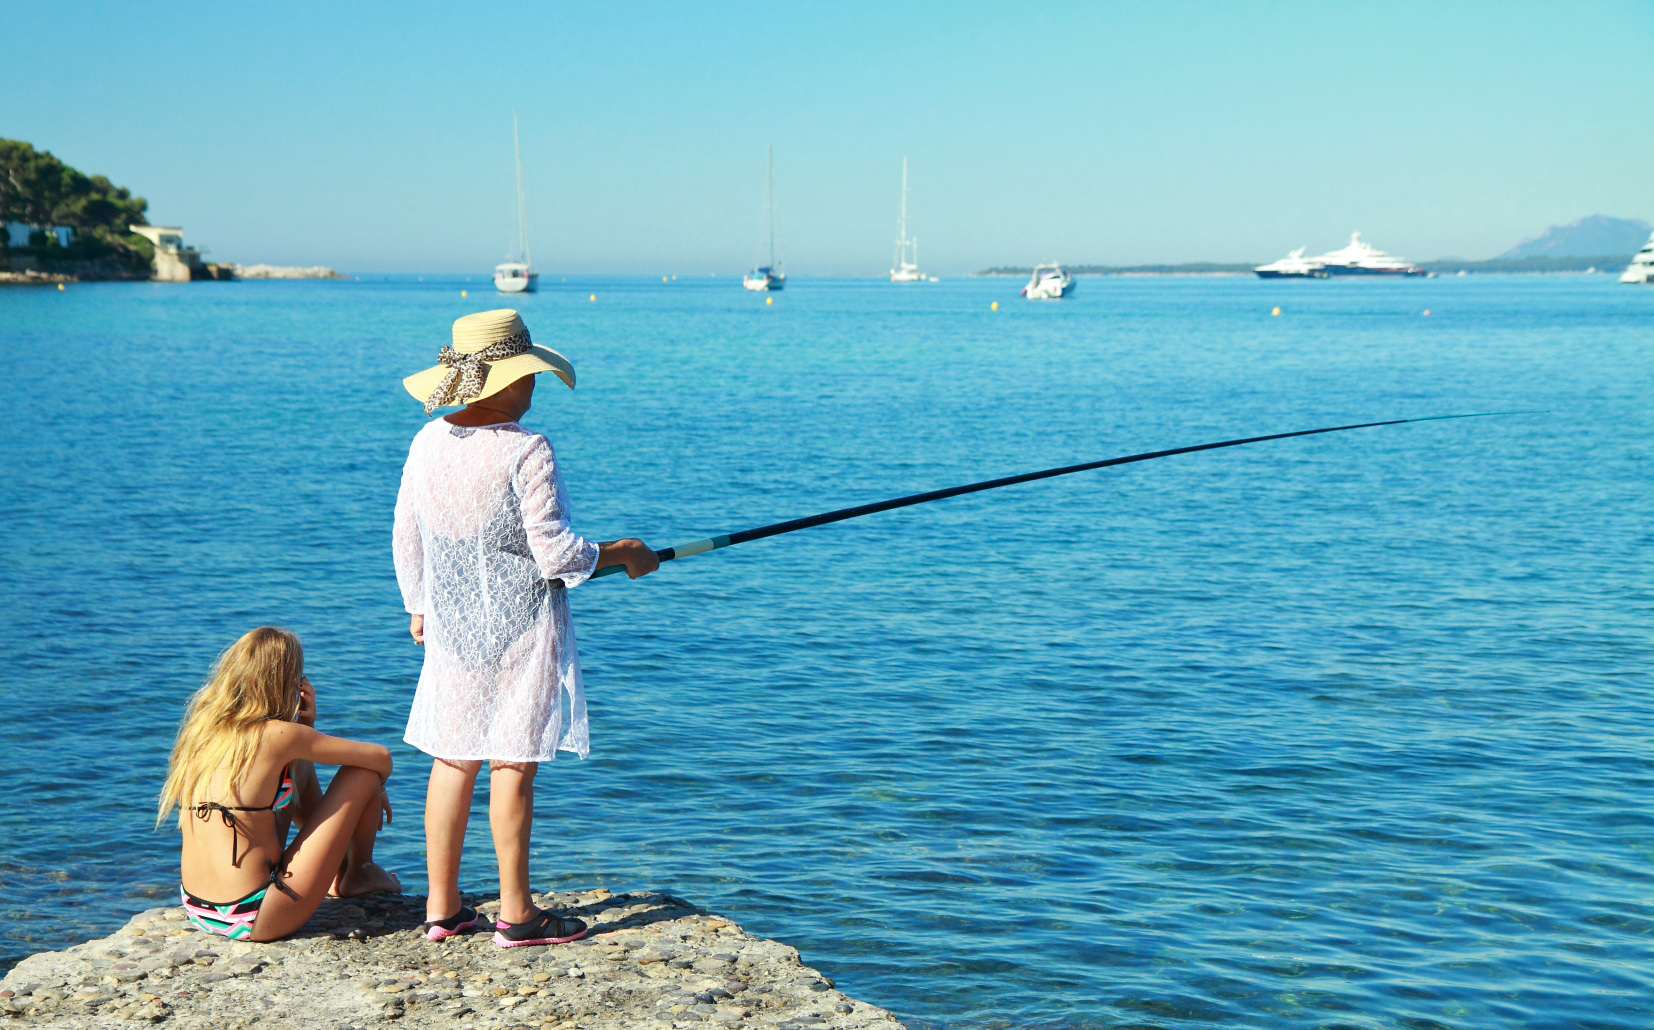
<point>1049,282</point>
<point>903,270</point>
<point>772,276</point>
<point>518,275</point>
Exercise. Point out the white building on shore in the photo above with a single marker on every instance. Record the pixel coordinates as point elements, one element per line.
<point>173,261</point>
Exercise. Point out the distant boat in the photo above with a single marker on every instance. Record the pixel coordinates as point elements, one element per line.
<point>771,276</point>
<point>1049,282</point>
<point>1641,268</point>
<point>1293,266</point>
<point>1359,258</point>
<point>902,270</point>
<point>518,275</point>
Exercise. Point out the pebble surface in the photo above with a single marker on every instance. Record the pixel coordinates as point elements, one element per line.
<point>651,961</point>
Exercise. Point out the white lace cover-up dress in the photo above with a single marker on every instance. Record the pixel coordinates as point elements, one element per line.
<point>482,531</point>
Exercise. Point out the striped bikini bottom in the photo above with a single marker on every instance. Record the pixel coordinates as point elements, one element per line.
<point>234,920</point>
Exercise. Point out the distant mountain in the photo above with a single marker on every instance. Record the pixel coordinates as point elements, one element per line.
<point>1588,237</point>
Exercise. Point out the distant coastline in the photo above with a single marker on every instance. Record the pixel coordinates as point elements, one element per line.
<point>1444,266</point>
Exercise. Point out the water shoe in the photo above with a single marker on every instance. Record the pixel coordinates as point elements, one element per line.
<point>544,928</point>
<point>454,925</point>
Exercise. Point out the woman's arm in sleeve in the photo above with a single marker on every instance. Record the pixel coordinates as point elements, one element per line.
<point>559,551</point>
<point>407,547</point>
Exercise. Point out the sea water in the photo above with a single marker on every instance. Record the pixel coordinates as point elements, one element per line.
<point>1352,730</point>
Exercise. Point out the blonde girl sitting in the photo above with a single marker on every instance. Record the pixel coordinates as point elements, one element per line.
<point>241,774</point>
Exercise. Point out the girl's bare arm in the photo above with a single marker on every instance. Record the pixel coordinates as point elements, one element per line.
<point>295,742</point>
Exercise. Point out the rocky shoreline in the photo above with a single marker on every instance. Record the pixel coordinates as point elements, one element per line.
<point>285,272</point>
<point>651,961</point>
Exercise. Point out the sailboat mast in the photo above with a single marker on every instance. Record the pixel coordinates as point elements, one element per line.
<point>522,202</point>
<point>904,207</point>
<point>769,189</point>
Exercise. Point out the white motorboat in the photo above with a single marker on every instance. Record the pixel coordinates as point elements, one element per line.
<point>1641,268</point>
<point>1293,266</point>
<point>1361,258</point>
<point>1049,282</point>
<point>518,275</point>
<point>772,276</point>
<point>901,269</point>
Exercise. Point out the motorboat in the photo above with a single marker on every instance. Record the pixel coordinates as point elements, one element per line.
<point>517,275</point>
<point>903,270</point>
<point>1049,282</point>
<point>1361,258</point>
<point>1641,268</point>
<point>1293,266</point>
<point>773,276</point>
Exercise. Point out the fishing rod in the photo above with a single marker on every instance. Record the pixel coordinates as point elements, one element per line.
<point>810,522</point>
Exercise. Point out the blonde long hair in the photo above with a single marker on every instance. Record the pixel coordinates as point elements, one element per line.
<point>255,680</point>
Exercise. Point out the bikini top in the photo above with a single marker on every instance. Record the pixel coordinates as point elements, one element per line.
<point>283,798</point>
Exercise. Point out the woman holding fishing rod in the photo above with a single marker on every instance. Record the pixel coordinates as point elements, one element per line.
<point>485,556</point>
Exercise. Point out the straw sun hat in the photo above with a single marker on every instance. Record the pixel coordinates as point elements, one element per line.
<point>491,351</point>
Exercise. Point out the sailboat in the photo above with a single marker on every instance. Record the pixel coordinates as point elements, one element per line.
<point>902,270</point>
<point>518,275</point>
<point>772,276</point>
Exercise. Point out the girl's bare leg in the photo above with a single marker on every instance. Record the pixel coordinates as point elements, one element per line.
<point>359,874</point>
<point>511,816</point>
<point>447,810</point>
<point>314,856</point>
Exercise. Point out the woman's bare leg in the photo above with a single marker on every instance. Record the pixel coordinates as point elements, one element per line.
<point>312,861</point>
<point>447,810</point>
<point>511,816</point>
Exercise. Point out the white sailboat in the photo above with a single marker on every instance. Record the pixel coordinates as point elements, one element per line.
<point>771,276</point>
<point>901,269</point>
<point>518,275</point>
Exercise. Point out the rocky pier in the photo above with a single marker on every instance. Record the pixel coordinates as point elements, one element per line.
<point>651,961</point>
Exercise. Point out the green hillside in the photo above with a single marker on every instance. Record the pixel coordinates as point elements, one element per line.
<point>42,192</point>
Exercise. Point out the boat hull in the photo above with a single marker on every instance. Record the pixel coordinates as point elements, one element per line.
<point>1051,289</point>
<point>517,284</point>
<point>1391,273</point>
<point>907,277</point>
<point>1273,274</point>
<point>764,283</point>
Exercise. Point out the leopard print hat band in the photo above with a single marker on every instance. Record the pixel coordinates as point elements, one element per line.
<point>468,372</point>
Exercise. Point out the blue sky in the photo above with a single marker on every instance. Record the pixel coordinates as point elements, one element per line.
<point>378,137</point>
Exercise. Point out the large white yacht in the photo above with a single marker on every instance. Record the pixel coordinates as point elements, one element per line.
<point>1359,258</point>
<point>772,276</point>
<point>1049,282</point>
<point>1293,266</point>
<point>901,269</point>
<point>518,275</point>
<point>1641,268</point>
